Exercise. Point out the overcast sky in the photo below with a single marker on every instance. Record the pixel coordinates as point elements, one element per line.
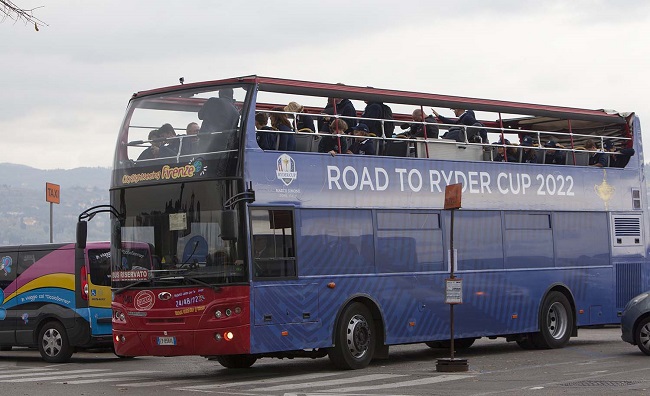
<point>64,89</point>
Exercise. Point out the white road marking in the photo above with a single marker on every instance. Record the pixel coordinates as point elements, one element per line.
<point>417,382</point>
<point>59,376</point>
<point>13,376</point>
<point>259,381</point>
<point>334,382</point>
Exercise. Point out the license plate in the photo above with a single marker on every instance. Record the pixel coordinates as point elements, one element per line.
<point>166,340</point>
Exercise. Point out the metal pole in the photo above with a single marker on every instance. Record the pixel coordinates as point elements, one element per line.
<point>451,306</point>
<point>51,211</point>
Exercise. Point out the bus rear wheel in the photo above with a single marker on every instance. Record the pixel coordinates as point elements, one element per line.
<point>556,322</point>
<point>236,361</point>
<point>354,342</point>
<point>53,343</point>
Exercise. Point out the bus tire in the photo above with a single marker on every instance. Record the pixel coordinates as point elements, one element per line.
<point>236,361</point>
<point>354,341</point>
<point>526,342</point>
<point>556,322</point>
<point>53,343</point>
<point>642,336</point>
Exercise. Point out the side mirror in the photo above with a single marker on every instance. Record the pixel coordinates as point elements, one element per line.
<point>82,234</point>
<point>229,229</point>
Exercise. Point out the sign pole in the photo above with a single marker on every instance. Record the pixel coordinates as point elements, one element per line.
<point>51,221</point>
<point>453,285</point>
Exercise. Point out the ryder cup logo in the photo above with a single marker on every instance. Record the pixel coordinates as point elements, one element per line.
<point>286,169</point>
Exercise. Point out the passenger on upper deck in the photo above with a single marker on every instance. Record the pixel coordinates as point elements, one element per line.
<point>416,130</point>
<point>220,119</point>
<point>622,156</point>
<point>266,140</point>
<point>190,141</point>
<point>330,144</point>
<point>172,142</point>
<point>156,150</point>
<point>218,115</point>
<point>361,144</point>
<point>554,156</point>
<point>279,121</point>
<point>344,108</point>
<point>465,117</point>
<point>509,154</point>
<point>302,122</point>
<point>379,111</point>
<point>528,154</point>
<point>598,159</point>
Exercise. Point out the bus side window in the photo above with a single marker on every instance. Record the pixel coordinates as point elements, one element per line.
<point>273,243</point>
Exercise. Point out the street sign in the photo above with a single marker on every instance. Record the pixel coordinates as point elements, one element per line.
<point>452,196</point>
<point>453,291</point>
<point>52,193</point>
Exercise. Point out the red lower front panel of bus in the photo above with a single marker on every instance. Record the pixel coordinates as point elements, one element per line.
<point>182,321</point>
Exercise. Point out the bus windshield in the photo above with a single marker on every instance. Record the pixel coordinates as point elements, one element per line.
<point>182,222</point>
<point>180,126</point>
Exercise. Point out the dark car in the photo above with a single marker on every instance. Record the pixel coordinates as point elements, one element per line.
<point>635,322</point>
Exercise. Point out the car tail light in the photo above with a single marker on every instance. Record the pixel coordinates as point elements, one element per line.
<point>84,283</point>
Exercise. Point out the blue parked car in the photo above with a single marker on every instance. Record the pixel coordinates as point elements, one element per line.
<point>635,322</point>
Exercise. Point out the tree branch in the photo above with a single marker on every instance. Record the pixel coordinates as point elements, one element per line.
<point>9,10</point>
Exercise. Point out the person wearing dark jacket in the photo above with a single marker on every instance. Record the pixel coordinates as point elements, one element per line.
<point>302,122</point>
<point>330,144</point>
<point>415,129</point>
<point>619,158</point>
<point>374,110</point>
<point>468,118</point>
<point>280,121</point>
<point>266,140</point>
<point>361,144</point>
<point>344,108</point>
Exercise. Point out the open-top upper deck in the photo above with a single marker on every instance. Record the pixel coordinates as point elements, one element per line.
<point>462,161</point>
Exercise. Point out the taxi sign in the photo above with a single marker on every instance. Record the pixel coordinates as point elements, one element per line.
<point>52,193</point>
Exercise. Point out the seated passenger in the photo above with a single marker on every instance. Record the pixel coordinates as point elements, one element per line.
<point>156,150</point>
<point>190,141</point>
<point>266,140</point>
<point>509,154</point>
<point>554,156</point>
<point>622,156</point>
<point>415,129</point>
<point>528,155</point>
<point>598,159</point>
<point>279,121</point>
<point>334,144</point>
<point>467,118</point>
<point>302,122</point>
<point>361,144</point>
<point>169,134</point>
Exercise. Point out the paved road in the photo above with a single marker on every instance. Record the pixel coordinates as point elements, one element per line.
<point>596,363</point>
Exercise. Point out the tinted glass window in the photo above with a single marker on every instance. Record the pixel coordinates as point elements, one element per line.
<point>334,241</point>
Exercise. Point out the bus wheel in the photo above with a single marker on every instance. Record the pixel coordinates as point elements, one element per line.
<point>642,336</point>
<point>556,322</point>
<point>459,343</point>
<point>526,342</point>
<point>236,361</point>
<point>354,340</point>
<point>53,343</point>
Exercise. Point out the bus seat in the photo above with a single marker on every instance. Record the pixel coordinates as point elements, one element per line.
<point>314,143</point>
<point>541,155</point>
<point>582,158</point>
<point>396,148</point>
<point>304,142</point>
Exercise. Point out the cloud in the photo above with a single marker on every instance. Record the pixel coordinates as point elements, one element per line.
<point>67,86</point>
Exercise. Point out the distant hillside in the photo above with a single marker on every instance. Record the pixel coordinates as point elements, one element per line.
<point>24,213</point>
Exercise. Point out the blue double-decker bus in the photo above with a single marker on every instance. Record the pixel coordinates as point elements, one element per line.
<point>276,240</point>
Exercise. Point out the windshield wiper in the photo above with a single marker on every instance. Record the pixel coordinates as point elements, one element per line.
<point>127,287</point>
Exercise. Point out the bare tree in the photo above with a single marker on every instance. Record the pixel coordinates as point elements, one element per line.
<point>11,11</point>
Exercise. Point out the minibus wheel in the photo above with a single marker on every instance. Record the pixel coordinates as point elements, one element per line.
<point>236,361</point>
<point>53,343</point>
